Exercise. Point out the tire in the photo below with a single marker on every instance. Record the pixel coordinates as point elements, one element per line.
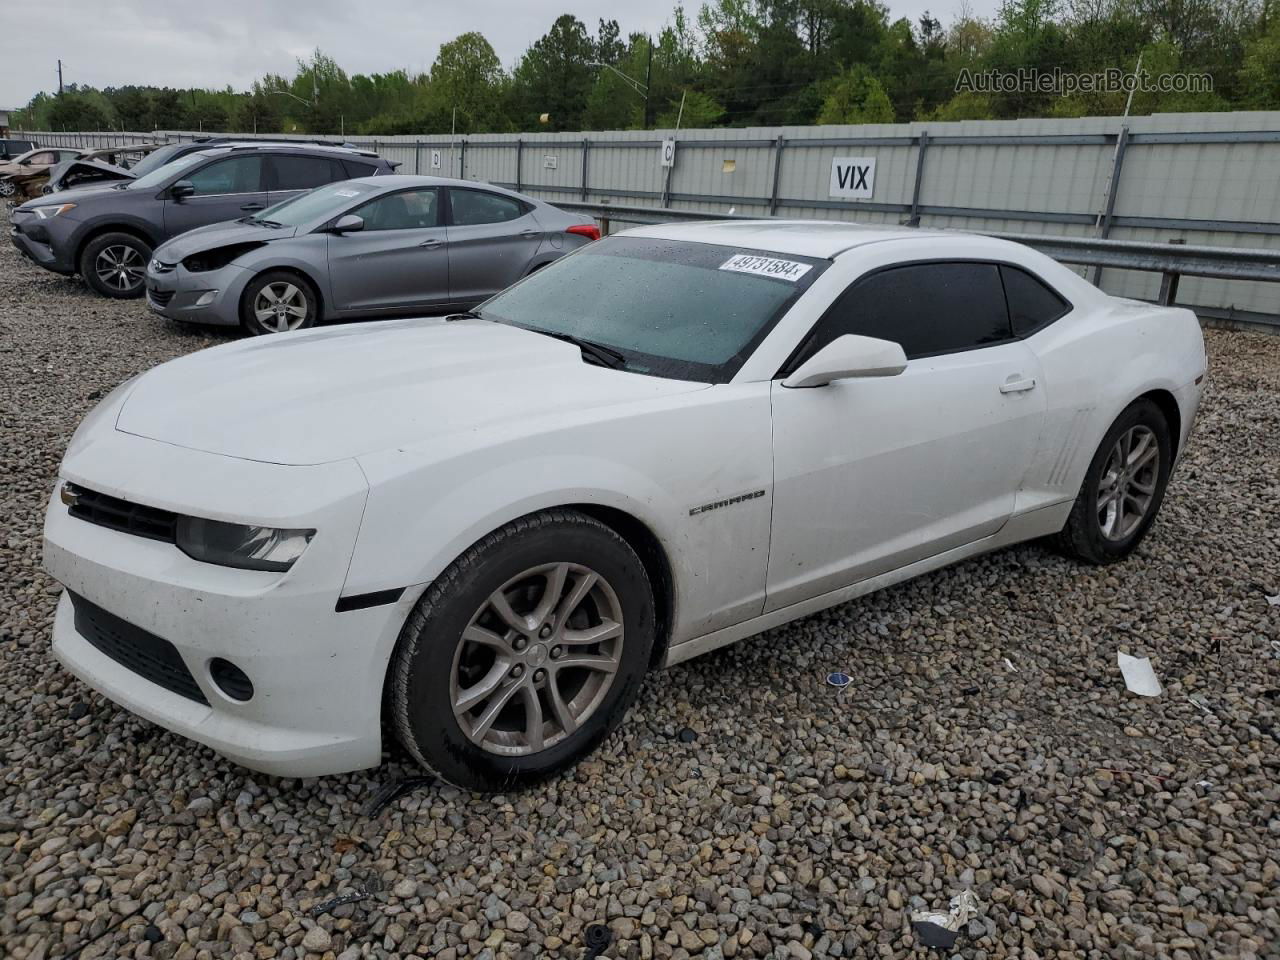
<point>1097,531</point>
<point>8,188</point>
<point>278,301</point>
<point>435,665</point>
<point>115,265</point>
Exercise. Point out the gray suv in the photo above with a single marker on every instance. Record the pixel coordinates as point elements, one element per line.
<point>106,234</point>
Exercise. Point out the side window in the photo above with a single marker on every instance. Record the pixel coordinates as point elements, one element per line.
<point>928,308</point>
<point>229,175</point>
<point>303,173</point>
<point>358,168</point>
<point>47,156</point>
<point>477,206</point>
<point>1032,305</point>
<point>407,210</point>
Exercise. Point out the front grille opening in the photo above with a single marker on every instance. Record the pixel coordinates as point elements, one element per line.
<point>117,514</point>
<point>161,298</point>
<point>150,657</point>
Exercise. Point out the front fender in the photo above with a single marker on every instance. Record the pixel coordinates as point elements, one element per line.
<point>697,472</point>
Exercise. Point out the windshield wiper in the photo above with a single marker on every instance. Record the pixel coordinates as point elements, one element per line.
<point>464,315</point>
<point>602,355</point>
<point>266,223</point>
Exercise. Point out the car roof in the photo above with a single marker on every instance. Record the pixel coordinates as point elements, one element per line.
<point>803,238</point>
<point>274,146</point>
<point>401,180</point>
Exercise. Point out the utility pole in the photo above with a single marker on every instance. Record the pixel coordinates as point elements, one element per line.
<point>648,82</point>
<point>59,78</point>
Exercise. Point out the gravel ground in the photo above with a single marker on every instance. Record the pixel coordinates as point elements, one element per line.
<point>988,742</point>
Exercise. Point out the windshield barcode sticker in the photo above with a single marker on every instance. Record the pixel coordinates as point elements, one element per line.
<point>789,270</point>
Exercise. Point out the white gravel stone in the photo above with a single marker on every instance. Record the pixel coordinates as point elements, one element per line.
<point>799,822</point>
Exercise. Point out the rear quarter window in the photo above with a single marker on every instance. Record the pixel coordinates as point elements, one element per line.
<point>1033,305</point>
<point>358,168</point>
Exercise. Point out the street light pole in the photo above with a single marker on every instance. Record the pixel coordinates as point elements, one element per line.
<point>632,82</point>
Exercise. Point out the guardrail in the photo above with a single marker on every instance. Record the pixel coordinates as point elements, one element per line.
<point>1172,260</point>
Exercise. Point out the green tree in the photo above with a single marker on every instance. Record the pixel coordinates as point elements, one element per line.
<point>74,110</point>
<point>555,76</point>
<point>856,96</point>
<point>1259,75</point>
<point>467,75</point>
<point>699,111</point>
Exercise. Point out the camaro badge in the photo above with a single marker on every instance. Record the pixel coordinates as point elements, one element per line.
<point>717,504</point>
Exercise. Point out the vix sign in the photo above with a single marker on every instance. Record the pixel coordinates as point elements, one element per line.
<point>853,177</point>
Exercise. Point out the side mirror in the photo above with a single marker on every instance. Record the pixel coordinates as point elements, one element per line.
<point>182,189</point>
<point>849,356</point>
<point>350,223</point>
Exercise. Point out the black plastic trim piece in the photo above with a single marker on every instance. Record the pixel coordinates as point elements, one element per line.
<point>150,657</point>
<point>362,601</point>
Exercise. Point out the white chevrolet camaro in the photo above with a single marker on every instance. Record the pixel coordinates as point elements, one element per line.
<point>485,529</point>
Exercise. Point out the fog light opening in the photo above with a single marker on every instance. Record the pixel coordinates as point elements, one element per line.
<point>230,679</point>
<point>206,298</point>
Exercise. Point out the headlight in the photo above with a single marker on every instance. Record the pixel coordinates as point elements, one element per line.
<point>240,545</point>
<point>219,258</point>
<point>49,210</point>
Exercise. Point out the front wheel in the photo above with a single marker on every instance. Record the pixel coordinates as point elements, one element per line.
<point>278,301</point>
<point>1123,488</point>
<point>7,188</point>
<point>524,654</point>
<point>115,265</point>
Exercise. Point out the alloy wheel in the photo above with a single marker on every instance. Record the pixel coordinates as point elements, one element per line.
<point>120,266</point>
<point>280,307</point>
<point>1127,486</point>
<point>537,659</point>
<point>7,188</point>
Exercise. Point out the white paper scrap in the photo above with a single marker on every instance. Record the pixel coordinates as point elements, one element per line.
<point>1138,675</point>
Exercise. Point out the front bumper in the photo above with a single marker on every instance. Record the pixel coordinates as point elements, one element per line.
<point>39,245</point>
<point>317,674</point>
<point>176,292</point>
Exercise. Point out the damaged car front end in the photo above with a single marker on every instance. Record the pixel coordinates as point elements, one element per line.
<point>94,168</point>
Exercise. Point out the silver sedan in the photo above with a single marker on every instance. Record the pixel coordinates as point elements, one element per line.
<point>378,246</point>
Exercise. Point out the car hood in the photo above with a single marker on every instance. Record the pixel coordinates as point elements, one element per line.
<point>217,235</point>
<point>99,169</point>
<point>336,393</point>
<point>83,194</point>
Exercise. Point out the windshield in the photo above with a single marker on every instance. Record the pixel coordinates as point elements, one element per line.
<point>162,173</point>
<point>689,311</point>
<point>155,160</point>
<point>318,204</point>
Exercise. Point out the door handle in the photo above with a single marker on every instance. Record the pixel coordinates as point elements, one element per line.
<point>431,244</point>
<point>529,234</point>
<point>253,206</point>
<point>1018,386</point>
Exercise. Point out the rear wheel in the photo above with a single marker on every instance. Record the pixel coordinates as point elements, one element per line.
<point>277,302</point>
<point>7,188</point>
<point>115,265</point>
<point>1123,488</point>
<point>524,653</point>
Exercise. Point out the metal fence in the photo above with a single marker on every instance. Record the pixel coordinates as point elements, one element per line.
<point>1202,179</point>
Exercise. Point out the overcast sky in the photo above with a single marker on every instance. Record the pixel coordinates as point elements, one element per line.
<point>212,43</point>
